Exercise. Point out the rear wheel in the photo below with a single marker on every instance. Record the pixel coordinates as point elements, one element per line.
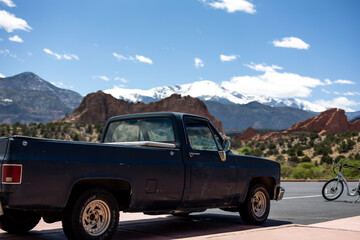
<point>332,189</point>
<point>16,221</point>
<point>255,210</point>
<point>181,214</point>
<point>95,215</point>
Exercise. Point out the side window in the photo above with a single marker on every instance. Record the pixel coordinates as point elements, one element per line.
<point>199,135</point>
<point>157,130</point>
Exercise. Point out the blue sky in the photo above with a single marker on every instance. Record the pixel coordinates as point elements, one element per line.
<point>280,48</point>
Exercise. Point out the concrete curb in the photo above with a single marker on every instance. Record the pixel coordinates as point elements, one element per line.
<point>314,180</point>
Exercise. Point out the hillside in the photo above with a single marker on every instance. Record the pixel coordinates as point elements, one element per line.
<point>99,107</point>
<point>307,148</point>
<point>256,115</point>
<point>28,98</point>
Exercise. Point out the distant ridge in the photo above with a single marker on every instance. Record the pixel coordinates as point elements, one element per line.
<point>208,91</point>
<point>256,115</point>
<point>28,98</point>
<point>99,107</point>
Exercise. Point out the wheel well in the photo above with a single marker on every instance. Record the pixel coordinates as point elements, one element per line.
<point>121,190</point>
<point>268,182</point>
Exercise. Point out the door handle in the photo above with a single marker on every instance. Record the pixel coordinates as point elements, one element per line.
<point>191,154</point>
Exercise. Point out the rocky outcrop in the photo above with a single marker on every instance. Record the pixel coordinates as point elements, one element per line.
<point>249,134</point>
<point>331,121</point>
<point>99,107</point>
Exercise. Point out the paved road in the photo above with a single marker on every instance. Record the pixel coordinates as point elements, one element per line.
<point>302,204</point>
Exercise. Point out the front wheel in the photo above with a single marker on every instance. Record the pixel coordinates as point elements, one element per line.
<point>255,210</point>
<point>16,221</point>
<point>95,215</point>
<point>332,189</point>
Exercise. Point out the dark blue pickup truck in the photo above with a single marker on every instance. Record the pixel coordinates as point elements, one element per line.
<point>155,163</point>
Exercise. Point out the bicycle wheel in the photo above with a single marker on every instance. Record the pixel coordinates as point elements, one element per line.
<point>332,189</point>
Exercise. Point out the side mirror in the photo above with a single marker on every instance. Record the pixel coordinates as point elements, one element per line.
<point>227,145</point>
<point>222,154</point>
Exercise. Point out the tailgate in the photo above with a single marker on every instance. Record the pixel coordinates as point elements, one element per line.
<point>3,149</point>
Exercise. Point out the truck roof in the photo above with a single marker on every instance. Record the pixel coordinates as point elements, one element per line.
<point>153,114</point>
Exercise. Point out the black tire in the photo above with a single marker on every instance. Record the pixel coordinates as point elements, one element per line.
<point>255,210</point>
<point>332,189</point>
<point>94,215</point>
<point>16,221</point>
<point>181,214</point>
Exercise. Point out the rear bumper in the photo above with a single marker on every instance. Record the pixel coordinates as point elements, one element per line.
<point>1,209</point>
<point>280,191</point>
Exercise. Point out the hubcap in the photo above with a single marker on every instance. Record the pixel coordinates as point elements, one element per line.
<point>96,217</point>
<point>258,203</point>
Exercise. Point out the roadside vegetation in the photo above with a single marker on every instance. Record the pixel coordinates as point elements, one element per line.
<point>55,130</point>
<point>307,155</point>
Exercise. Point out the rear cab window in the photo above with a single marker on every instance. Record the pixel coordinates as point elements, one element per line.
<point>141,130</point>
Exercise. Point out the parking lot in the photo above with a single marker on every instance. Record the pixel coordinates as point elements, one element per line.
<point>302,204</point>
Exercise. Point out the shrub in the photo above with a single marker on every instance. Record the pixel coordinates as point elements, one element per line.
<point>326,159</point>
<point>286,171</point>
<point>294,159</point>
<point>305,159</point>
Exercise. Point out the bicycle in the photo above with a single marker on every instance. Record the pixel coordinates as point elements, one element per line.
<point>335,187</point>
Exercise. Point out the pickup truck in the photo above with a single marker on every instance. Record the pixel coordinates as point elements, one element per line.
<point>155,163</point>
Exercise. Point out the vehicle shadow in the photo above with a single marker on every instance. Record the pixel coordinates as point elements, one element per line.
<point>185,227</point>
<point>164,228</point>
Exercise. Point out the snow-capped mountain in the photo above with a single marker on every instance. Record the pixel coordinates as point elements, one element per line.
<point>208,91</point>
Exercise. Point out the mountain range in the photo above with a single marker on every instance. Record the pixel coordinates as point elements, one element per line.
<point>209,91</point>
<point>28,98</point>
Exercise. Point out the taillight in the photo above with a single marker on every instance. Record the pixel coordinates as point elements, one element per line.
<point>11,174</point>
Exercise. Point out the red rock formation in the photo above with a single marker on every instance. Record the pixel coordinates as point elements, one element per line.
<point>249,134</point>
<point>331,121</point>
<point>99,107</point>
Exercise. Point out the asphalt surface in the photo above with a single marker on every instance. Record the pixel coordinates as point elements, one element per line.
<point>302,204</point>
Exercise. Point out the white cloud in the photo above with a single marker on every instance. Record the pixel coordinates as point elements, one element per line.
<point>7,52</point>
<point>328,82</point>
<point>105,78</point>
<point>61,85</point>
<point>16,38</point>
<point>228,58</point>
<point>340,81</point>
<point>263,67</point>
<point>59,56</point>
<point>121,79</point>
<point>325,91</point>
<point>8,3</point>
<point>232,5</point>
<point>139,58</point>
<point>272,83</point>
<point>198,63</point>
<point>352,93</point>
<point>144,59</point>
<point>120,57</point>
<point>340,102</point>
<point>291,42</point>
<point>2,76</point>
<point>10,22</point>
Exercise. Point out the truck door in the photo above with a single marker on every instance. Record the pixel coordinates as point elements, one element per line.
<point>213,181</point>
